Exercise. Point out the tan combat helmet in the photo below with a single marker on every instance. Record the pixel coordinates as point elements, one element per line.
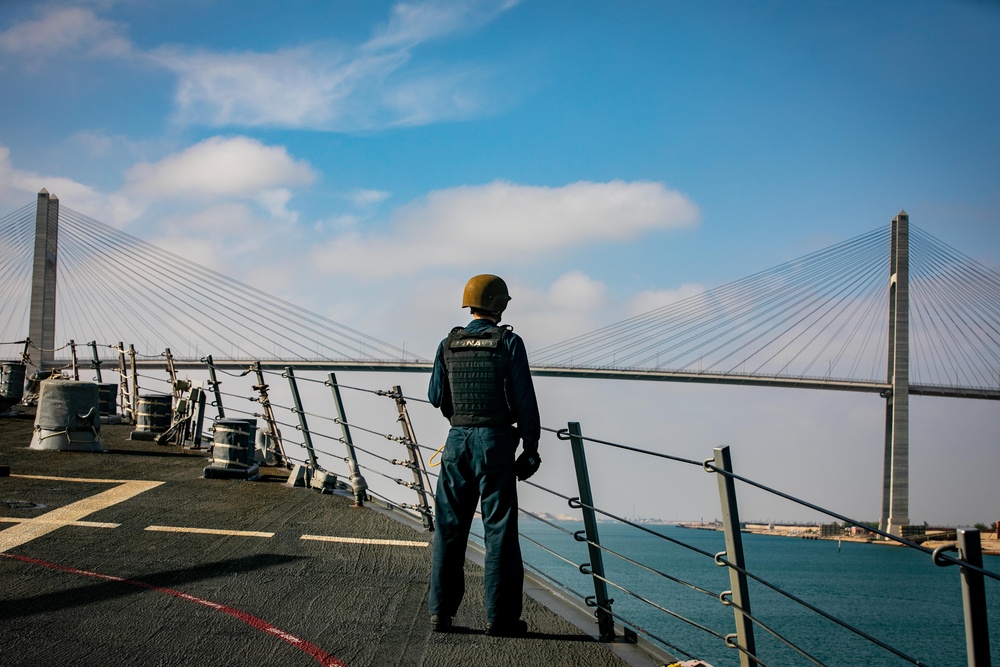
<point>486,292</point>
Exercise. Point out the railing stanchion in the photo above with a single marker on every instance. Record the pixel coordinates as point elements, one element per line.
<point>198,419</point>
<point>605,621</point>
<point>97,361</point>
<point>358,483</point>
<point>123,391</point>
<point>416,460</point>
<point>977,630</point>
<point>215,387</point>
<point>75,365</point>
<point>306,436</point>
<point>174,391</point>
<point>272,423</point>
<point>734,554</point>
<point>135,384</point>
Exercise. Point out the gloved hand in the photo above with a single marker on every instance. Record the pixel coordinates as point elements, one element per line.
<point>527,464</point>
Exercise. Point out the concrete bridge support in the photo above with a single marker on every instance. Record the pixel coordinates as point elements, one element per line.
<point>42,318</point>
<point>896,464</point>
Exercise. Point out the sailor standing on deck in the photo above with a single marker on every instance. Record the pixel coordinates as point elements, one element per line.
<point>482,384</point>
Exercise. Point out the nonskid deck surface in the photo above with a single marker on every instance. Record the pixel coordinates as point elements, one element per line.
<point>131,557</point>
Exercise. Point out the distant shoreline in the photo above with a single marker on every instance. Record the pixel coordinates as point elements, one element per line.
<point>990,544</point>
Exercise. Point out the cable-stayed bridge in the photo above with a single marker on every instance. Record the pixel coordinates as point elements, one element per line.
<point>894,311</point>
<point>820,321</point>
<point>113,286</point>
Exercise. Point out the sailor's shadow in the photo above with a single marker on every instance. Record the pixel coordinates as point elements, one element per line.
<point>560,638</point>
<point>164,453</point>
<point>461,630</point>
<point>104,591</point>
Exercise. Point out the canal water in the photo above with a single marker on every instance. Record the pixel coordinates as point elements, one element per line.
<point>894,594</point>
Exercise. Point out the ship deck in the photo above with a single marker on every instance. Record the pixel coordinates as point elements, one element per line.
<point>132,557</point>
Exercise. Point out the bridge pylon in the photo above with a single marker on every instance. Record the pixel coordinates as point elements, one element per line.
<point>42,318</point>
<point>896,464</point>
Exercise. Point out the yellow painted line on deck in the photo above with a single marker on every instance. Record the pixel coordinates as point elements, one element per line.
<point>209,531</point>
<point>359,540</point>
<point>81,524</point>
<point>26,531</point>
<point>80,479</point>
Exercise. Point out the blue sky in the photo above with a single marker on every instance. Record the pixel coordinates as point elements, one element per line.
<point>363,159</point>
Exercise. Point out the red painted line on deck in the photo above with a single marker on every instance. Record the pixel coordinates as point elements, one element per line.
<point>306,647</point>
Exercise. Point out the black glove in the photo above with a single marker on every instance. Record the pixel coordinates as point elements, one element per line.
<point>527,464</point>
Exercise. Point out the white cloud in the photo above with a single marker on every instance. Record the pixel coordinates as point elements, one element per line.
<point>577,291</point>
<point>363,197</point>
<point>236,239</point>
<point>228,203</point>
<point>316,86</point>
<point>227,229</point>
<point>302,87</point>
<point>429,305</point>
<point>19,187</point>
<point>222,167</point>
<point>648,300</point>
<point>275,202</point>
<point>65,29</point>
<point>209,175</point>
<point>94,142</point>
<point>337,223</point>
<point>217,232</point>
<point>572,304</point>
<point>502,221</point>
<point>413,23</point>
<point>438,96</point>
<point>320,87</point>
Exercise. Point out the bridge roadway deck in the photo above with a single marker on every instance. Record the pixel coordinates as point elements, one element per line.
<point>85,581</point>
<point>635,374</point>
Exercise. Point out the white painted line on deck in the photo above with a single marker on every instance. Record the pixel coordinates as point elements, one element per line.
<point>26,531</point>
<point>359,540</point>
<point>209,531</point>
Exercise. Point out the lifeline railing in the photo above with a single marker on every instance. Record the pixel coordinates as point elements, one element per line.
<point>380,466</point>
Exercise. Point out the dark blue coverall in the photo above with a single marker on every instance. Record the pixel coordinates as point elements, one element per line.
<point>478,463</point>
